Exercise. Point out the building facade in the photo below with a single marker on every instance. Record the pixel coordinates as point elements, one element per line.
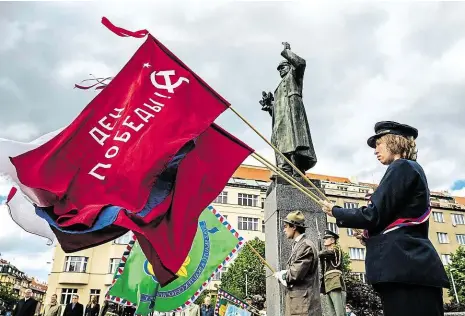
<point>90,272</point>
<point>17,281</point>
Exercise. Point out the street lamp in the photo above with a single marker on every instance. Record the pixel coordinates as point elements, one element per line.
<point>246,281</point>
<point>453,284</point>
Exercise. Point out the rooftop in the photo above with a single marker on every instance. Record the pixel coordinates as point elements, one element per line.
<point>248,175</point>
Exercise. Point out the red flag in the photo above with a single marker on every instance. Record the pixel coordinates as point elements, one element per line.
<point>167,232</point>
<point>201,176</point>
<point>114,150</point>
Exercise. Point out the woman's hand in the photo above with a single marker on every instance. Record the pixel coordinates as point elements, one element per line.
<point>327,207</point>
<point>359,235</point>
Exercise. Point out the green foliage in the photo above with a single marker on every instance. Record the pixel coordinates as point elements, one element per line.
<point>457,269</point>
<point>7,295</point>
<point>233,281</point>
<point>346,262</point>
<point>361,296</point>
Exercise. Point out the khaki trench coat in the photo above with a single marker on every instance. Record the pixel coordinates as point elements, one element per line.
<point>303,285</point>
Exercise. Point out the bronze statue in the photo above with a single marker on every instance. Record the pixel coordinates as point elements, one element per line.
<point>291,133</point>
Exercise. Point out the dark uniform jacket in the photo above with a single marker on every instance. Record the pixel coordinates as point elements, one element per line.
<point>331,268</point>
<point>404,255</point>
<point>303,293</point>
<point>78,310</point>
<point>25,308</point>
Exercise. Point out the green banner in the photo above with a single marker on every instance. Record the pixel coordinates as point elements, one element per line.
<point>135,283</point>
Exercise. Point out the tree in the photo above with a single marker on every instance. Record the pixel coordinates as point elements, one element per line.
<point>7,295</point>
<point>246,263</point>
<point>457,269</point>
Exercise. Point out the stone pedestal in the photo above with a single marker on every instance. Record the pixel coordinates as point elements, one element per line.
<point>282,199</point>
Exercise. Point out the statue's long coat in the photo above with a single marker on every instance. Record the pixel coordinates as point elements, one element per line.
<point>291,132</point>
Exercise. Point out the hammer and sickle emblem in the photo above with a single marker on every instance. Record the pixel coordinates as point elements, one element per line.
<point>169,86</point>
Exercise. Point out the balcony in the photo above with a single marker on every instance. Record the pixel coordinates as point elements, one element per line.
<point>73,278</point>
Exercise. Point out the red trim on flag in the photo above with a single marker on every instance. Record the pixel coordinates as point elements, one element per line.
<point>11,194</point>
<point>123,32</point>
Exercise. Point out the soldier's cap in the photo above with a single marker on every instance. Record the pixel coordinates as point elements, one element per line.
<point>330,234</point>
<point>283,63</point>
<point>295,218</point>
<point>389,127</point>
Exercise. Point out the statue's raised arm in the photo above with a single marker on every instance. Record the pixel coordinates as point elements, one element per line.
<point>295,60</point>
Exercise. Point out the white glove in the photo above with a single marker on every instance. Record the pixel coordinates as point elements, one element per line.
<point>281,277</point>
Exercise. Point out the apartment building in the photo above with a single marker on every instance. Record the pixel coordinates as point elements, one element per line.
<point>13,278</point>
<point>90,272</point>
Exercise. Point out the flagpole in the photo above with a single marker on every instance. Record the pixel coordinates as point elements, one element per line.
<point>260,257</point>
<point>279,152</point>
<point>288,178</point>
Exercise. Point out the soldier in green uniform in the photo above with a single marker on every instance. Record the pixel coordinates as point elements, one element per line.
<point>333,286</point>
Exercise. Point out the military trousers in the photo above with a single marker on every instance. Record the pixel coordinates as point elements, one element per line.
<point>336,302</point>
<point>401,299</point>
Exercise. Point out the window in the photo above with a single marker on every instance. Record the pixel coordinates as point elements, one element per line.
<point>219,274</point>
<point>333,227</point>
<point>114,262</point>
<point>446,259</point>
<point>96,293</point>
<point>460,239</point>
<point>222,198</point>
<point>443,238</point>
<point>438,217</point>
<point>350,205</point>
<point>66,295</point>
<point>350,232</point>
<point>263,203</point>
<point>458,219</point>
<point>247,199</point>
<point>75,264</point>
<point>124,240</point>
<point>357,253</point>
<point>248,223</point>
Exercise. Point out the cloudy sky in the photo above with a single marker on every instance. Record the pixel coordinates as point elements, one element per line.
<point>366,62</point>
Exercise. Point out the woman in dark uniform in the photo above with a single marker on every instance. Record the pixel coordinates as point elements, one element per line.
<point>401,263</point>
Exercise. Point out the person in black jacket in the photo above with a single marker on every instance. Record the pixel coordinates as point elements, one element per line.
<point>93,307</point>
<point>26,306</point>
<point>401,262</point>
<point>74,308</point>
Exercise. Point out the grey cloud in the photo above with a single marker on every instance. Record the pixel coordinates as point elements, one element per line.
<point>444,30</point>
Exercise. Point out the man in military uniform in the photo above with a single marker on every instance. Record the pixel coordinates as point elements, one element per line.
<point>301,275</point>
<point>333,284</point>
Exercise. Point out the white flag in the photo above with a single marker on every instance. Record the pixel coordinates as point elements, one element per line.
<point>20,197</point>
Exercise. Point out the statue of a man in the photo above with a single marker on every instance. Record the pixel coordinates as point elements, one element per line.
<point>291,133</point>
